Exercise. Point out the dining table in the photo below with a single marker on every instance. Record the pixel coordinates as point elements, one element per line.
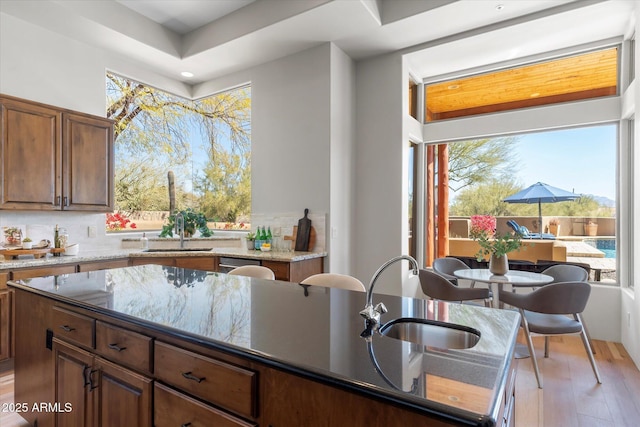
<point>515,278</point>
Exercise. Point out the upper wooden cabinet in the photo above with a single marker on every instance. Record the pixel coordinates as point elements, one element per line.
<point>54,159</point>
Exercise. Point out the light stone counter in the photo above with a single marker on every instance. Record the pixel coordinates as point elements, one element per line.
<point>28,261</point>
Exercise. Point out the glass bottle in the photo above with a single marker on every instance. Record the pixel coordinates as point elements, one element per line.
<point>56,240</point>
<point>269,238</point>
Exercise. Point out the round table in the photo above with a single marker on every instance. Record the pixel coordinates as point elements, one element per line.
<point>513,278</point>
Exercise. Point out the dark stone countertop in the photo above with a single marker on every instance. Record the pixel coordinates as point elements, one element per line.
<point>316,335</point>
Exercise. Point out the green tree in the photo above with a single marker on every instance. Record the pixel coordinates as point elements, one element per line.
<point>225,186</point>
<point>480,160</point>
<point>153,130</point>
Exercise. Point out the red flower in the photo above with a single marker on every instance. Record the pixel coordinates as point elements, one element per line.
<point>117,221</point>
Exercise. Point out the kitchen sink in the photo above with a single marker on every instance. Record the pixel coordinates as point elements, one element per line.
<point>431,333</point>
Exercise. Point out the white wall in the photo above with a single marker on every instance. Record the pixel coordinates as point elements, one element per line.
<point>342,163</point>
<point>630,304</point>
<point>379,170</point>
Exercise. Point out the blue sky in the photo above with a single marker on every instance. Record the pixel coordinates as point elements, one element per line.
<point>581,160</point>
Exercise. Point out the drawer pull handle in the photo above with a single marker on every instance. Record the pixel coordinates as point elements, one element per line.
<point>67,328</point>
<point>116,347</point>
<point>185,425</point>
<point>87,375</point>
<point>190,376</point>
<point>92,386</point>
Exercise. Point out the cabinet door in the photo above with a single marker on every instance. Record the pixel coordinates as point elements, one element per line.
<point>73,385</point>
<point>123,397</point>
<point>5,325</point>
<point>88,159</point>
<point>30,156</point>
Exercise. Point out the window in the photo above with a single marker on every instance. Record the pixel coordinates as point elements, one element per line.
<point>483,172</point>
<point>172,152</point>
<point>578,77</point>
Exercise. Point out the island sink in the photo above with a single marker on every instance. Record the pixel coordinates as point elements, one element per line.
<point>431,333</point>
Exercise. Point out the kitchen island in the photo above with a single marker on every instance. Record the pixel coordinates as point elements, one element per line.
<point>157,345</point>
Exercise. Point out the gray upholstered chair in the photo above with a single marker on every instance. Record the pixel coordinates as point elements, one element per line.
<point>446,266</point>
<point>545,311</point>
<point>567,273</point>
<point>334,280</point>
<point>437,287</point>
<point>257,271</point>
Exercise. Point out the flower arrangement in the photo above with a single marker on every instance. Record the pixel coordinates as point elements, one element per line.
<point>117,221</point>
<point>483,230</point>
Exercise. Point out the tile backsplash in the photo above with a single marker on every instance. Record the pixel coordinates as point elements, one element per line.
<point>286,221</point>
<point>40,225</point>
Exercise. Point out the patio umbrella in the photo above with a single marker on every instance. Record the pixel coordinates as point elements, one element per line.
<point>541,193</point>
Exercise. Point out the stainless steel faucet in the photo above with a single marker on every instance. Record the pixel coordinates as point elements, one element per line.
<point>370,313</point>
<point>179,226</point>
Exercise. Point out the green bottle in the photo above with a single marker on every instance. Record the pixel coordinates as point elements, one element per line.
<point>269,236</point>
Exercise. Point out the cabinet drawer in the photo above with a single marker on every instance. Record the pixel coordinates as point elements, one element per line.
<point>123,346</point>
<point>220,383</point>
<point>103,265</point>
<point>280,269</point>
<point>73,327</point>
<point>42,271</point>
<point>172,409</point>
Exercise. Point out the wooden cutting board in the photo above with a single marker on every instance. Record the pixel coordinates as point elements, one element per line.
<point>14,253</point>
<point>303,232</point>
<point>312,238</point>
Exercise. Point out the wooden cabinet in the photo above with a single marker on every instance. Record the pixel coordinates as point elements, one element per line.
<point>220,383</point>
<point>28,273</point>
<point>205,263</point>
<point>172,408</point>
<point>6,323</point>
<point>54,159</point>
<point>99,393</point>
<point>295,271</point>
<point>103,265</point>
<point>31,153</point>
<point>124,347</point>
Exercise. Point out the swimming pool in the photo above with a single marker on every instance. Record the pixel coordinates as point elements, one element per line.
<point>606,245</point>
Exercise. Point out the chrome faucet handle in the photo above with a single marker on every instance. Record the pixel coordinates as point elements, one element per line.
<point>372,314</point>
<point>381,308</point>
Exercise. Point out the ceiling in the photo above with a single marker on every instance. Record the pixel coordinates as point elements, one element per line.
<point>214,38</point>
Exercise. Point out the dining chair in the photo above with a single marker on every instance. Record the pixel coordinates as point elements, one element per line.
<point>567,273</point>
<point>437,287</point>
<point>446,266</point>
<point>335,280</point>
<point>545,311</point>
<point>256,271</point>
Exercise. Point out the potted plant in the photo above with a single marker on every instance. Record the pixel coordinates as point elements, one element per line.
<point>27,243</point>
<point>554,226</point>
<point>250,238</point>
<point>497,246</point>
<point>591,228</point>
<point>193,221</point>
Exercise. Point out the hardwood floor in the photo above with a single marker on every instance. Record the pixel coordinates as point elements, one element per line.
<point>571,396</point>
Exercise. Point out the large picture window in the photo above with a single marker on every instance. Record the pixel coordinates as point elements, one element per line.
<point>482,173</point>
<point>173,153</point>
